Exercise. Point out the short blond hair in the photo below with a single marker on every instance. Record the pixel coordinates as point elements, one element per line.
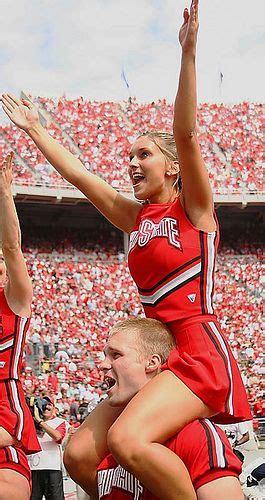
<point>153,337</point>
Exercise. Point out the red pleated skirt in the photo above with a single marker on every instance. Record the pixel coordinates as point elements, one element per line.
<point>15,416</point>
<point>14,458</point>
<point>204,362</point>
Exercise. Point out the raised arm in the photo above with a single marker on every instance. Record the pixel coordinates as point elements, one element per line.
<point>118,209</point>
<point>196,190</point>
<point>18,289</point>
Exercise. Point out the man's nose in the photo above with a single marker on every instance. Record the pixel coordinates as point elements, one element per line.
<point>105,365</point>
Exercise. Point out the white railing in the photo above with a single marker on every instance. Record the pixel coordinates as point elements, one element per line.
<point>123,188</point>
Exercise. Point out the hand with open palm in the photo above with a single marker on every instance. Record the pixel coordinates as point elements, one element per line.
<point>6,174</point>
<point>22,113</point>
<point>189,29</point>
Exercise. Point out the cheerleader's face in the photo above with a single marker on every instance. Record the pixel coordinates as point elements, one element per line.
<point>149,171</point>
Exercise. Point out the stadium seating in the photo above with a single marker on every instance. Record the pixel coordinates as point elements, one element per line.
<point>80,294</point>
<point>80,291</point>
<point>100,134</point>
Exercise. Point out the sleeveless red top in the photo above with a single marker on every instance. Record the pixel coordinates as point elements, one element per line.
<point>172,263</point>
<point>13,331</point>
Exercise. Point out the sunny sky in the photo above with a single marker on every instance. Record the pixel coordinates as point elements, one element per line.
<point>80,47</point>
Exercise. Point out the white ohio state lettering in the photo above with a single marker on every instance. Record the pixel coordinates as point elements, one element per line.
<point>118,478</point>
<point>166,228</point>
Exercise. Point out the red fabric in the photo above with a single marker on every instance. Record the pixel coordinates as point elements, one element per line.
<point>62,429</point>
<point>13,331</point>
<point>178,262</point>
<point>176,287</point>
<point>15,416</point>
<point>202,447</point>
<point>204,362</point>
<point>259,409</point>
<point>14,458</point>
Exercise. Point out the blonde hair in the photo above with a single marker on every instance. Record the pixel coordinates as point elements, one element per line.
<point>153,337</point>
<point>166,143</point>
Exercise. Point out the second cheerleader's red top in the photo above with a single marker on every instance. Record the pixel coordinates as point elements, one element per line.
<point>172,263</point>
<point>13,331</point>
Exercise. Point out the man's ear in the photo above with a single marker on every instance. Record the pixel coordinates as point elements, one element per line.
<point>153,364</point>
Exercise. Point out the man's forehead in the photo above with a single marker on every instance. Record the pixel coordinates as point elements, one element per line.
<point>121,339</point>
<point>114,342</point>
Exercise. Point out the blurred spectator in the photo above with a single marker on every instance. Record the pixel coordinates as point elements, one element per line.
<point>102,292</point>
<point>259,407</point>
<point>46,466</point>
<point>100,133</point>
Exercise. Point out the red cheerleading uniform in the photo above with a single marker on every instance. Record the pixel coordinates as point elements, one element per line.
<point>172,263</point>
<point>15,415</point>
<point>202,446</point>
<point>13,458</point>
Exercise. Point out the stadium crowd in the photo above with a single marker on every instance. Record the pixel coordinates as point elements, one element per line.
<point>100,133</point>
<point>80,290</point>
<point>80,293</point>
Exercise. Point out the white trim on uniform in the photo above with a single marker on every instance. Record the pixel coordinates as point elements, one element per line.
<point>210,267</point>
<point>18,408</point>
<point>23,322</point>
<point>185,276</point>
<point>224,348</point>
<point>14,454</point>
<point>218,445</point>
<point>7,344</point>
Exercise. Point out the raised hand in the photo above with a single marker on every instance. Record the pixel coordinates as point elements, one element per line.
<point>189,29</point>
<point>6,174</point>
<point>22,113</point>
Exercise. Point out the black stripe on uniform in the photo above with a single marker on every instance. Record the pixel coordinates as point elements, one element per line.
<point>21,350</point>
<point>20,401</point>
<point>170,291</point>
<point>209,442</point>
<point>14,348</point>
<point>6,453</point>
<point>10,400</point>
<point>202,272</point>
<point>175,271</point>
<point>219,350</point>
<point>8,337</point>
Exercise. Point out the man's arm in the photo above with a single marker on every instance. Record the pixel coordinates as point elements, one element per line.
<point>19,288</point>
<point>55,434</point>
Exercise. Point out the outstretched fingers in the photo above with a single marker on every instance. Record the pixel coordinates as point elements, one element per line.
<point>27,103</point>
<point>186,15</point>
<point>7,162</point>
<point>194,10</point>
<point>9,159</point>
<point>7,104</point>
<point>12,99</point>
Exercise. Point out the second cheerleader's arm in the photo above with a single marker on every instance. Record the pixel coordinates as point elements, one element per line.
<point>118,209</point>
<point>18,289</point>
<point>196,190</point>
